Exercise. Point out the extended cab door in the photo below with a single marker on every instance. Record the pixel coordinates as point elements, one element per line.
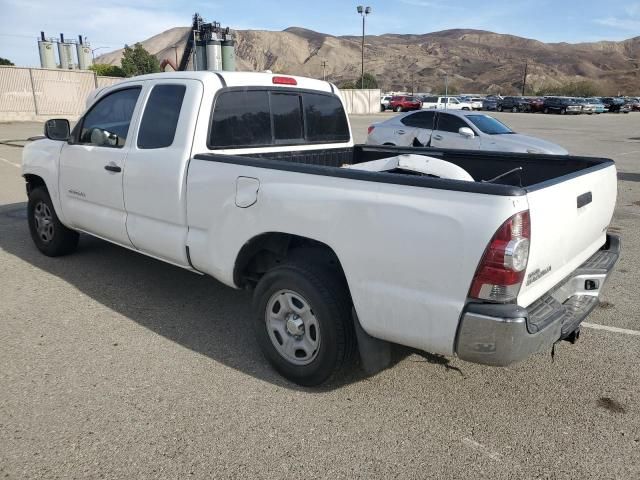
<point>155,177</point>
<point>91,166</point>
<point>446,133</point>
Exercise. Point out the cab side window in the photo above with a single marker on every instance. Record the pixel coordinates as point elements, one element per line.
<point>160,118</point>
<point>107,123</point>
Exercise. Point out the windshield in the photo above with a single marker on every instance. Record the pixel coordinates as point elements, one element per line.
<point>489,125</point>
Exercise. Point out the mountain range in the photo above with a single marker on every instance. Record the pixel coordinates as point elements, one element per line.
<point>474,60</point>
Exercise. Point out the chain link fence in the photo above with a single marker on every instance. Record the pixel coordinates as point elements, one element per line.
<point>38,93</point>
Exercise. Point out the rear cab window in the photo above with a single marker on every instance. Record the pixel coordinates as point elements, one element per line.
<point>263,117</point>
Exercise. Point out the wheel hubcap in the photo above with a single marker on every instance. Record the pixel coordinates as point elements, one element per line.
<point>292,326</point>
<point>44,222</point>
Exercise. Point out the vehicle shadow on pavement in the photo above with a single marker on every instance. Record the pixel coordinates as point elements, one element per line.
<point>195,311</point>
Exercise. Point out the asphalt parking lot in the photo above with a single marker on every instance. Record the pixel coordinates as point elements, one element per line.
<point>114,365</point>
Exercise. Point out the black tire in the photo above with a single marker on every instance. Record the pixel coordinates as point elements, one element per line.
<point>563,111</point>
<point>56,239</point>
<point>546,110</point>
<point>499,108</point>
<point>398,109</point>
<point>514,109</point>
<point>382,108</point>
<point>465,108</point>
<point>327,295</point>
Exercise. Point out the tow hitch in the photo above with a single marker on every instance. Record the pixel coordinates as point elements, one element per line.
<point>573,337</point>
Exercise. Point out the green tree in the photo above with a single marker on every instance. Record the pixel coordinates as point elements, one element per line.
<point>580,88</point>
<point>106,70</point>
<point>4,61</point>
<point>137,61</point>
<point>348,85</point>
<point>370,81</point>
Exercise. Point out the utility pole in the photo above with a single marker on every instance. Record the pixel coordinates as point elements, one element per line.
<point>363,11</point>
<point>446,89</point>
<point>524,78</point>
<point>324,70</point>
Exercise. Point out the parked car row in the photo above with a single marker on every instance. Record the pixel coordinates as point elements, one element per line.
<point>550,104</point>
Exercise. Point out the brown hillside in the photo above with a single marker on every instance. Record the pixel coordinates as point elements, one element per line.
<point>476,60</point>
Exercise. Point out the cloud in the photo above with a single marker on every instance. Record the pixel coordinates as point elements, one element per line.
<point>630,24</point>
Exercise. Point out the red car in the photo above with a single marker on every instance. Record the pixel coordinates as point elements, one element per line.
<point>537,104</point>
<point>404,103</point>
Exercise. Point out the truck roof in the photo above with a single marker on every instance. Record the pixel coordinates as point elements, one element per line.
<point>239,79</point>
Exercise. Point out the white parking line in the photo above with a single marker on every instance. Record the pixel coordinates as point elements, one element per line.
<point>596,326</point>
<point>10,163</point>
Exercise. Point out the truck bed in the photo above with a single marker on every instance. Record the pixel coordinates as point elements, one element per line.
<point>538,171</point>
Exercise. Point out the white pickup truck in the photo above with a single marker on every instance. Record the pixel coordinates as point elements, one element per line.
<point>445,103</point>
<point>253,178</point>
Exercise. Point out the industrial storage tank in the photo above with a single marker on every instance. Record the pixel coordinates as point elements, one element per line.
<point>228,55</point>
<point>47,53</point>
<point>214,55</point>
<point>201,55</point>
<point>85,59</point>
<point>65,52</point>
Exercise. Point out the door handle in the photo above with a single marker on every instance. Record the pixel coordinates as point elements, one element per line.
<point>112,168</point>
<point>438,137</point>
<point>400,132</point>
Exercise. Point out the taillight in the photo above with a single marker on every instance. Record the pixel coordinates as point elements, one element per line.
<point>370,129</point>
<point>501,270</point>
<point>284,81</point>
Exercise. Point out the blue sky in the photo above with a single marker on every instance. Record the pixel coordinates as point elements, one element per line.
<point>111,23</point>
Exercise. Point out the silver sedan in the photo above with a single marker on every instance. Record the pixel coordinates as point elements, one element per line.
<point>458,130</point>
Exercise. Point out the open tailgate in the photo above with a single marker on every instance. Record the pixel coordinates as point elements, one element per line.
<point>569,220</point>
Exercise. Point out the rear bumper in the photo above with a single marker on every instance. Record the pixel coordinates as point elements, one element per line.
<point>499,335</point>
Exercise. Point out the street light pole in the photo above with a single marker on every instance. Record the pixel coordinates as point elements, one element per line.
<point>93,54</point>
<point>446,89</point>
<point>363,11</point>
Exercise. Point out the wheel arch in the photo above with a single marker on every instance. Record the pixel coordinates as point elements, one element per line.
<point>266,250</point>
<point>34,181</point>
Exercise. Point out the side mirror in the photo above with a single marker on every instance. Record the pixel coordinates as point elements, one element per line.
<point>57,129</point>
<point>466,132</point>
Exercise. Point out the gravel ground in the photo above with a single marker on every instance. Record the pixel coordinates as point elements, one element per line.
<point>114,365</point>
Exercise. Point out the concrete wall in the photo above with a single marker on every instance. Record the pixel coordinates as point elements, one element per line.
<point>361,101</point>
<point>28,94</point>
<point>39,94</point>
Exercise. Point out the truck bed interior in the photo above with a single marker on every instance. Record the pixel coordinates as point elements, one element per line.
<point>499,173</point>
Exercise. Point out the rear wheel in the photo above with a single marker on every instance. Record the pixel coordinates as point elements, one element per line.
<point>563,111</point>
<point>499,108</point>
<point>514,109</point>
<point>303,321</point>
<point>50,236</point>
<point>546,110</point>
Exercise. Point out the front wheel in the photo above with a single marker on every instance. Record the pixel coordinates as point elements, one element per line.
<point>499,108</point>
<point>303,322</point>
<point>514,109</point>
<point>563,111</point>
<point>50,236</point>
<point>398,109</point>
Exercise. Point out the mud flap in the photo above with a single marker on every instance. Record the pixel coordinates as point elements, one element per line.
<point>375,354</point>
